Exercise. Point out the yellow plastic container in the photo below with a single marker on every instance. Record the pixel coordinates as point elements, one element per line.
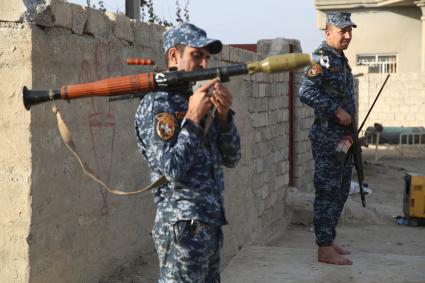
<point>414,197</point>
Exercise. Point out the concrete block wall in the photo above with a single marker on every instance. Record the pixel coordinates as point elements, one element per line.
<point>255,190</point>
<point>401,103</point>
<point>61,225</point>
<point>304,163</point>
<point>303,116</point>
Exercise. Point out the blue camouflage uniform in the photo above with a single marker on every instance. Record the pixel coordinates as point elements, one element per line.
<point>325,87</point>
<point>189,207</point>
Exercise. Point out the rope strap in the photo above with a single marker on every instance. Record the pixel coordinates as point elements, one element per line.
<point>67,139</point>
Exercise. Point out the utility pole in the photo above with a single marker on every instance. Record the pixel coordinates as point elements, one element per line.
<point>132,9</point>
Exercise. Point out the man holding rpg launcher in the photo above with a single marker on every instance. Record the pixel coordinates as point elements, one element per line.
<point>178,139</point>
<point>186,137</point>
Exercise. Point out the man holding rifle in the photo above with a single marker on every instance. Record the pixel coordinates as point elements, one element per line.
<point>188,137</point>
<point>328,88</point>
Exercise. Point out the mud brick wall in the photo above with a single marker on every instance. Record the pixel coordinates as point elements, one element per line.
<point>59,225</point>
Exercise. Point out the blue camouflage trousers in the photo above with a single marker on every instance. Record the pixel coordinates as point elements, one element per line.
<point>188,251</point>
<point>331,180</point>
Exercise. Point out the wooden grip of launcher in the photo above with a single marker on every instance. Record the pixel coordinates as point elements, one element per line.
<point>109,87</point>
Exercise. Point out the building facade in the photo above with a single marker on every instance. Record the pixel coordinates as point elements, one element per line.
<point>390,35</point>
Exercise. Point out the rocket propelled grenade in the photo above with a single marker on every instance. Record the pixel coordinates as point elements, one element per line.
<point>140,84</point>
<point>280,63</point>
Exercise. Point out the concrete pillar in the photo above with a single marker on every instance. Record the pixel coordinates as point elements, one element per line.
<point>15,153</point>
<point>421,4</point>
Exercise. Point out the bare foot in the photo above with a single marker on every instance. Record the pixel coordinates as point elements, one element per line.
<point>340,250</point>
<point>330,255</point>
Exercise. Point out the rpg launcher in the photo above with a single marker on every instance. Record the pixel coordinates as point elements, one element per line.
<point>141,84</point>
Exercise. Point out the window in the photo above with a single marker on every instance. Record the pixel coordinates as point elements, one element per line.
<point>378,63</point>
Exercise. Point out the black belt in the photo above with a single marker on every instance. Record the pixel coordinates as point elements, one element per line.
<point>325,122</point>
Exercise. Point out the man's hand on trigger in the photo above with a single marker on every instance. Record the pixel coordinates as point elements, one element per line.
<point>343,117</point>
<point>199,103</point>
<point>222,100</point>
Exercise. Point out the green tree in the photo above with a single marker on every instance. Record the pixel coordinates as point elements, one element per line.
<point>99,3</point>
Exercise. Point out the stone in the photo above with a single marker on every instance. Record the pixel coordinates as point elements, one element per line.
<point>79,19</point>
<point>121,26</point>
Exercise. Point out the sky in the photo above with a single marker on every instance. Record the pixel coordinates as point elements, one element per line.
<point>243,21</point>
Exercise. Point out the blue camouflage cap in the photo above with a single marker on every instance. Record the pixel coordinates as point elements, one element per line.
<point>340,19</point>
<point>191,35</point>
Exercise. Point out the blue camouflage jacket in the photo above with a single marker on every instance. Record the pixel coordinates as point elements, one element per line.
<point>191,160</point>
<point>327,88</point>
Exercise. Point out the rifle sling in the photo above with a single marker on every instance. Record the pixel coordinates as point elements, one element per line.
<point>67,139</point>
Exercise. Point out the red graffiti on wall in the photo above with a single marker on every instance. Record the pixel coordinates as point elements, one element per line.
<point>105,62</point>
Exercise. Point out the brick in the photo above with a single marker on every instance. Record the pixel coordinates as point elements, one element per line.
<point>259,119</point>
<point>246,56</point>
<point>121,26</point>
<point>62,12</point>
<point>262,90</point>
<point>142,35</point>
<point>276,102</point>
<point>260,205</point>
<point>420,118</point>
<point>225,53</point>
<point>97,24</point>
<point>408,116</point>
<point>79,19</point>
<point>281,168</point>
<point>234,55</point>
<point>278,196</point>
<point>265,192</point>
<point>13,11</point>
<point>261,150</point>
<point>260,78</point>
<point>44,16</point>
<point>259,165</point>
<point>258,104</point>
<point>279,183</point>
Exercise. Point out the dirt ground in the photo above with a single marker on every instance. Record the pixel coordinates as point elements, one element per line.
<point>381,237</point>
<point>385,176</point>
<point>382,250</point>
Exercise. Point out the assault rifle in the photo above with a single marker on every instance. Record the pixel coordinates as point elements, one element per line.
<point>356,151</point>
<point>141,84</point>
<point>356,147</point>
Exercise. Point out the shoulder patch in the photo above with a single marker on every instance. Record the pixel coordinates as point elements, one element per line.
<point>165,125</point>
<point>314,70</point>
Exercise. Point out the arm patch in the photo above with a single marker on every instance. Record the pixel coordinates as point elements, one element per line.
<point>314,71</point>
<point>165,125</point>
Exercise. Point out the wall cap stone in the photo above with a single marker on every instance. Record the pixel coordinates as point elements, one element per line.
<point>121,26</point>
